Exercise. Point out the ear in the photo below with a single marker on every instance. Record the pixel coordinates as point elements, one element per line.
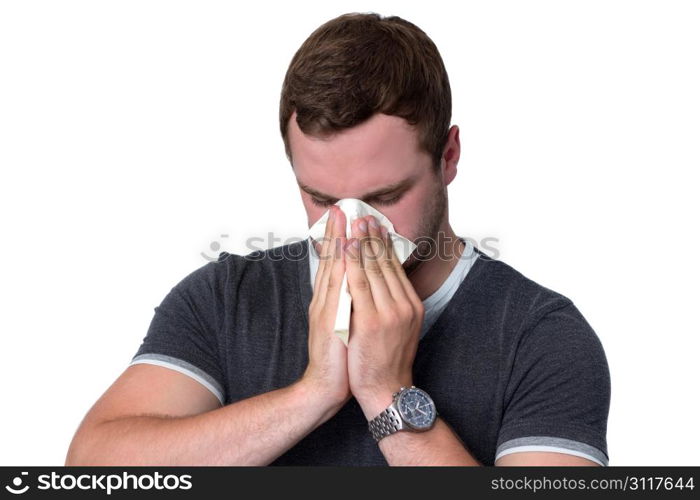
<point>450,155</point>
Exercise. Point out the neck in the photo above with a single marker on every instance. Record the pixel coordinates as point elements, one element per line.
<point>429,275</point>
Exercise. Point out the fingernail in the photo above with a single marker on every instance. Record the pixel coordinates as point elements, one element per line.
<point>355,243</point>
<point>373,222</point>
<point>363,226</point>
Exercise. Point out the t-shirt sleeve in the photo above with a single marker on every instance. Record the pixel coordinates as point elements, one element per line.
<point>558,394</point>
<point>182,335</point>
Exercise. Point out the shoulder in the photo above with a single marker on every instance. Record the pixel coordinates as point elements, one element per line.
<point>231,268</point>
<point>508,290</point>
<point>546,337</point>
<point>556,376</point>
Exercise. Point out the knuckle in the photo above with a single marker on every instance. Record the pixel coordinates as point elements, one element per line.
<point>392,318</point>
<point>406,310</point>
<point>370,324</point>
<point>360,284</point>
<point>332,282</point>
<point>375,270</point>
<point>387,266</point>
<point>418,308</point>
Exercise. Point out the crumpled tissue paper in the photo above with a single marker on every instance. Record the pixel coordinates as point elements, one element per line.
<point>354,209</point>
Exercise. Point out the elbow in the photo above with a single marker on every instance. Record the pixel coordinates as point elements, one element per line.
<point>78,453</point>
<point>74,457</point>
<point>81,449</point>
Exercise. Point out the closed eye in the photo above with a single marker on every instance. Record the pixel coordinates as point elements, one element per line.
<point>327,203</point>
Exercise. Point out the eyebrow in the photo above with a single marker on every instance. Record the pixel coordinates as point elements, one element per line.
<point>397,186</point>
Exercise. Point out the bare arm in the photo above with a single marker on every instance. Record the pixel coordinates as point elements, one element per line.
<point>153,415</point>
<point>438,446</point>
<point>442,446</point>
<point>253,431</point>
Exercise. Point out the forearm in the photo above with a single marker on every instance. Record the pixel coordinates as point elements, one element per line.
<point>253,431</point>
<point>437,446</point>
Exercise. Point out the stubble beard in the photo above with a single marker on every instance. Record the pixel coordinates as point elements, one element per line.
<point>428,229</point>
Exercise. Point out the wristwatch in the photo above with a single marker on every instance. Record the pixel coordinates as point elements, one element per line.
<point>412,410</point>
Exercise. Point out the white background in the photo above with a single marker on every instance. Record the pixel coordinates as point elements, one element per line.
<point>133,134</point>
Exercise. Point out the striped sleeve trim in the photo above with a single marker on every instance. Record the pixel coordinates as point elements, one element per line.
<point>554,444</point>
<point>183,367</point>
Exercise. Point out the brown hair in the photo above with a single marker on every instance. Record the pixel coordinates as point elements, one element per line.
<point>356,65</point>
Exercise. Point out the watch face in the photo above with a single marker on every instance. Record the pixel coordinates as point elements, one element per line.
<point>416,408</point>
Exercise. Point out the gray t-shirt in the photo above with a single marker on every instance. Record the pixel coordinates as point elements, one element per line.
<point>511,365</point>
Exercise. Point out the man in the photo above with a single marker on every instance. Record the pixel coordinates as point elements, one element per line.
<point>240,364</point>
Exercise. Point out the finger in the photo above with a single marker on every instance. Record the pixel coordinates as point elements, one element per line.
<point>358,285</point>
<point>335,277</point>
<point>384,263</point>
<point>321,252</point>
<point>334,229</point>
<point>399,271</point>
<point>370,251</point>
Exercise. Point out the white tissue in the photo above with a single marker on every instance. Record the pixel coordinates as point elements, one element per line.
<point>354,209</point>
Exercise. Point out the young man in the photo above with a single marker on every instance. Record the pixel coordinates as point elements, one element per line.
<point>240,364</point>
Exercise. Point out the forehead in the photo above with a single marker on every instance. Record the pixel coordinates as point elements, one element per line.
<point>381,150</point>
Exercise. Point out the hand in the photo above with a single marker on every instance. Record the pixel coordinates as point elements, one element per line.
<point>386,319</point>
<point>327,371</point>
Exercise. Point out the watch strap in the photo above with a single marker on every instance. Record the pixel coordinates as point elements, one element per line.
<point>387,422</point>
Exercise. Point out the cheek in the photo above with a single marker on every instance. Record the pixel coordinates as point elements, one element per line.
<point>313,212</point>
<point>313,217</point>
<point>404,224</point>
<point>405,215</point>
